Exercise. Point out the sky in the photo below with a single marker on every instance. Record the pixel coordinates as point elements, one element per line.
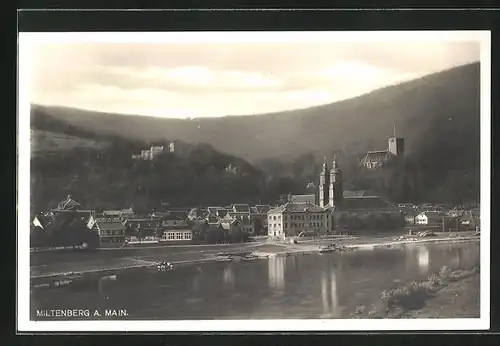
<point>195,79</point>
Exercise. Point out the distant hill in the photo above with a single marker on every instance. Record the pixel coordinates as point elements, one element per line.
<point>438,115</point>
<point>48,141</point>
<point>419,108</point>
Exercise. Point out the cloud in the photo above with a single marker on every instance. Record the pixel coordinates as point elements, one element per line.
<point>197,77</point>
<point>217,79</point>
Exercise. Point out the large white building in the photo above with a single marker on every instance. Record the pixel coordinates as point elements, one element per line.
<point>290,219</point>
<point>430,218</point>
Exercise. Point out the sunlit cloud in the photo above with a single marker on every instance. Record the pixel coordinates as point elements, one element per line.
<point>199,76</point>
<point>217,79</point>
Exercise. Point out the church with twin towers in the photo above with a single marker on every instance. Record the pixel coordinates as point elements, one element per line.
<point>330,185</point>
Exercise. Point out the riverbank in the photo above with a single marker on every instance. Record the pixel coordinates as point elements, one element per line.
<point>61,270</point>
<point>446,294</point>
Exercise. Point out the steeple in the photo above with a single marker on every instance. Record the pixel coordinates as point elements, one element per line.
<point>336,193</point>
<point>323,186</point>
<point>396,144</point>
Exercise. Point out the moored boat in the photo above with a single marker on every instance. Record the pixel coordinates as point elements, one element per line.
<point>223,259</point>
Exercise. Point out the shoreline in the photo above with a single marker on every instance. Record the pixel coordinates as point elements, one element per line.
<point>446,294</point>
<point>288,250</point>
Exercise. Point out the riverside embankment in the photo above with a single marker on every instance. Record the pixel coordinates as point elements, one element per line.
<point>54,265</point>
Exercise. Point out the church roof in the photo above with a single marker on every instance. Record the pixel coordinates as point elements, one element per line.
<point>303,198</point>
<point>377,155</point>
<point>297,208</point>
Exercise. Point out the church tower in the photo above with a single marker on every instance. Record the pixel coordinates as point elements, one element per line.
<point>396,144</point>
<point>324,183</point>
<point>336,191</point>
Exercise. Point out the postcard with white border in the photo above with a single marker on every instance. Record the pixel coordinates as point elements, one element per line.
<point>253,181</point>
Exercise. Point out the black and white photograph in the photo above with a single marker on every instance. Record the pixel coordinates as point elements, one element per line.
<point>253,181</point>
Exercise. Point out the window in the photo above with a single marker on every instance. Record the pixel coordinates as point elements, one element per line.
<point>274,217</point>
<point>286,225</point>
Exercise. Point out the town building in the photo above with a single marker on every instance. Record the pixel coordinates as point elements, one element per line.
<point>217,212</point>
<point>142,229</point>
<point>409,214</point>
<point>430,218</point>
<point>231,223</point>
<point>355,210</point>
<point>258,215</point>
<point>291,219</point>
<point>175,230</point>
<point>63,225</point>
<point>469,220</point>
<point>379,158</point>
<point>242,213</point>
<point>196,214</point>
<point>240,208</point>
<point>110,230</point>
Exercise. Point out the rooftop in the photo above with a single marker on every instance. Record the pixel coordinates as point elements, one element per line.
<point>297,208</point>
<point>106,226</point>
<point>68,204</point>
<point>376,155</point>
<point>262,209</point>
<point>311,198</point>
<point>241,208</point>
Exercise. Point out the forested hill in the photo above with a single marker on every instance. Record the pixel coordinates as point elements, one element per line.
<point>425,111</point>
<point>438,115</point>
<point>108,178</point>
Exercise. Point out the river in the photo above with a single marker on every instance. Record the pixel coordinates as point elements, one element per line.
<point>299,287</point>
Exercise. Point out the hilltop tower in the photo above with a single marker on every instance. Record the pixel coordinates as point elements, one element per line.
<point>324,183</point>
<point>396,144</point>
<point>336,191</point>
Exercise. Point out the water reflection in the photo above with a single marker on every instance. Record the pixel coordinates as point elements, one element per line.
<point>456,258</point>
<point>101,285</point>
<point>329,294</point>
<point>277,272</point>
<point>423,259</point>
<point>313,286</point>
<point>228,276</point>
